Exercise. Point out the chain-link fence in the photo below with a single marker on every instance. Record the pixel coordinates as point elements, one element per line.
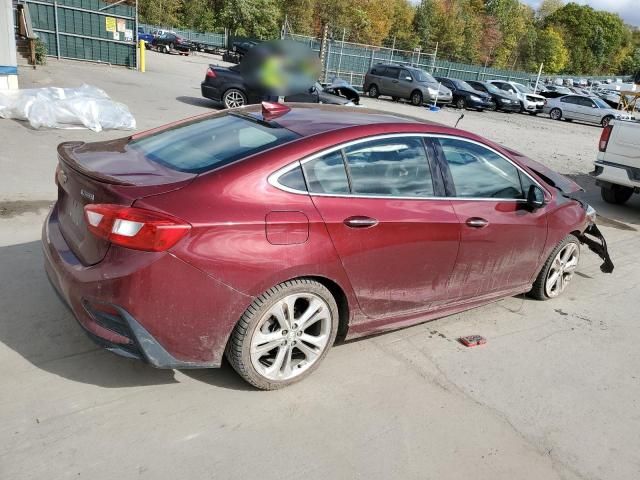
<point>351,61</point>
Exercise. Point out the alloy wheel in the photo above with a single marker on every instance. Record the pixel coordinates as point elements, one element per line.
<point>233,99</point>
<point>562,269</point>
<point>291,336</point>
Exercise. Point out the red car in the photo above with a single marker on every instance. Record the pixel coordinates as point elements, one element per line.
<point>264,233</point>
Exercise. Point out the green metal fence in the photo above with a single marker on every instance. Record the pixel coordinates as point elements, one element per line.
<point>86,30</point>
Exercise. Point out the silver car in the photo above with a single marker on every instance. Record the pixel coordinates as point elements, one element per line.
<point>582,108</point>
<point>399,81</point>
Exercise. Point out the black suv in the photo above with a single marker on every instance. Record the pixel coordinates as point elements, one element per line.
<point>398,81</point>
<point>465,96</point>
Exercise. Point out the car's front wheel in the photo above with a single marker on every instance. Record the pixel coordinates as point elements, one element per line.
<point>558,270</point>
<point>416,99</point>
<point>606,120</point>
<point>461,103</point>
<point>284,335</point>
<point>373,91</point>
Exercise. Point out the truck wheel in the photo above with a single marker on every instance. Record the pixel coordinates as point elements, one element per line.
<point>616,194</point>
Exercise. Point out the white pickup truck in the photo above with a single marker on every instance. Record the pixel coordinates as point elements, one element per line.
<point>617,170</point>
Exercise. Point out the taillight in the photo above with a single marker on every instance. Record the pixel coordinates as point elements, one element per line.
<point>604,138</point>
<point>211,73</point>
<point>135,228</point>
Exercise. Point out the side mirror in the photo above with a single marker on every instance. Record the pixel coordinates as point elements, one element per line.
<point>535,197</point>
<point>408,79</point>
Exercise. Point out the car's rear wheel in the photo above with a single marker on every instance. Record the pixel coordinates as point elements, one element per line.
<point>616,194</point>
<point>284,335</point>
<point>606,120</point>
<point>555,114</point>
<point>233,98</point>
<point>373,91</point>
<point>416,98</point>
<point>558,270</point>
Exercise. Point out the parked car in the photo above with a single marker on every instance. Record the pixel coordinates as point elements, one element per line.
<point>555,91</point>
<point>582,108</point>
<point>168,42</point>
<point>465,96</point>
<point>228,86</point>
<point>413,84</point>
<point>529,102</point>
<point>617,169</point>
<point>502,100</point>
<point>242,232</point>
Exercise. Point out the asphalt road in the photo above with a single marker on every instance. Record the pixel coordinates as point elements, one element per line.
<point>552,395</point>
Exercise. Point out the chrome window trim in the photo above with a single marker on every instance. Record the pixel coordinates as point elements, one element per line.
<point>273,178</point>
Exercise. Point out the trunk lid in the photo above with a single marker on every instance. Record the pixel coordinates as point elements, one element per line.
<point>104,172</point>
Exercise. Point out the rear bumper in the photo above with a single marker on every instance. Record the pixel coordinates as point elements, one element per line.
<point>607,173</point>
<point>149,306</point>
<point>210,92</point>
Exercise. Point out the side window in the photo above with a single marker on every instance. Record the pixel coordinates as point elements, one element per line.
<point>293,179</point>
<point>405,75</point>
<point>390,167</point>
<point>571,100</point>
<point>391,72</point>
<point>326,174</point>
<point>585,102</point>
<point>480,173</point>
<point>374,71</point>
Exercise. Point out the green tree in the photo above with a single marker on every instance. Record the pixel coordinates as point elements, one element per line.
<point>551,50</point>
<point>252,18</point>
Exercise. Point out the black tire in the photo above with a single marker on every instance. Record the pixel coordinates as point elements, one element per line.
<point>617,194</point>
<point>522,109</point>
<point>171,47</point>
<point>555,114</point>
<point>373,91</point>
<point>606,121</point>
<point>493,107</point>
<point>416,98</point>
<point>233,98</point>
<point>461,103</point>
<point>395,99</point>
<point>538,290</point>
<point>481,110</point>
<point>238,348</point>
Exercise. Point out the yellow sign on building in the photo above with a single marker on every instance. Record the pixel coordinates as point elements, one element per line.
<point>110,24</point>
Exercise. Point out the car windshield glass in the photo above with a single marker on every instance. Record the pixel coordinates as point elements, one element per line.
<point>462,85</point>
<point>422,76</point>
<point>523,88</point>
<point>493,89</point>
<point>600,103</point>
<point>210,143</point>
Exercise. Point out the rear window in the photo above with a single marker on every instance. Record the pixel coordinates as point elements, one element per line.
<point>207,144</point>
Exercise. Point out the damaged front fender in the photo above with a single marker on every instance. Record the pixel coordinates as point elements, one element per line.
<point>593,238</point>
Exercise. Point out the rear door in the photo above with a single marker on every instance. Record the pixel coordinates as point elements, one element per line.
<point>397,241</point>
<point>501,239</point>
<point>570,109</point>
<point>390,81</point>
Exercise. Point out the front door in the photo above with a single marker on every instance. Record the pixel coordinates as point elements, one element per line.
<point>397,243</point>
<point>501,238</point>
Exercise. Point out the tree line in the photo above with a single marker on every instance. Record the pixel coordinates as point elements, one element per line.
<point>567,38</point>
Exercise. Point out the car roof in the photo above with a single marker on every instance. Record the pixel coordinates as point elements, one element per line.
<point>307,119</point>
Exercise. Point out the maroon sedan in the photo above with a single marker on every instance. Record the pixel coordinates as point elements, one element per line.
<point>265,233</point>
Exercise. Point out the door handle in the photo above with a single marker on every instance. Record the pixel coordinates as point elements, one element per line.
<point>477,222</point>
<point>360,222</point>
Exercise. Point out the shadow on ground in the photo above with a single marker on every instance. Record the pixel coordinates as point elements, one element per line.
<point>199,102</point>
<point>38,326</point>
<point>623,217</point>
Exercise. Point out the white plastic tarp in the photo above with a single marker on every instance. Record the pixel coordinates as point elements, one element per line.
<point>54,107</point>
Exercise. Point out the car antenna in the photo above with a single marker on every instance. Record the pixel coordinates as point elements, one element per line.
<point>460,118</point>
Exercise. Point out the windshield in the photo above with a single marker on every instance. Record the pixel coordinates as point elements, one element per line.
<point>493,89</point>
<point>600,103</point>
<point>522,88</point>
<point>422,76</point>
<point>462,85</point>
<point>210,143</point>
